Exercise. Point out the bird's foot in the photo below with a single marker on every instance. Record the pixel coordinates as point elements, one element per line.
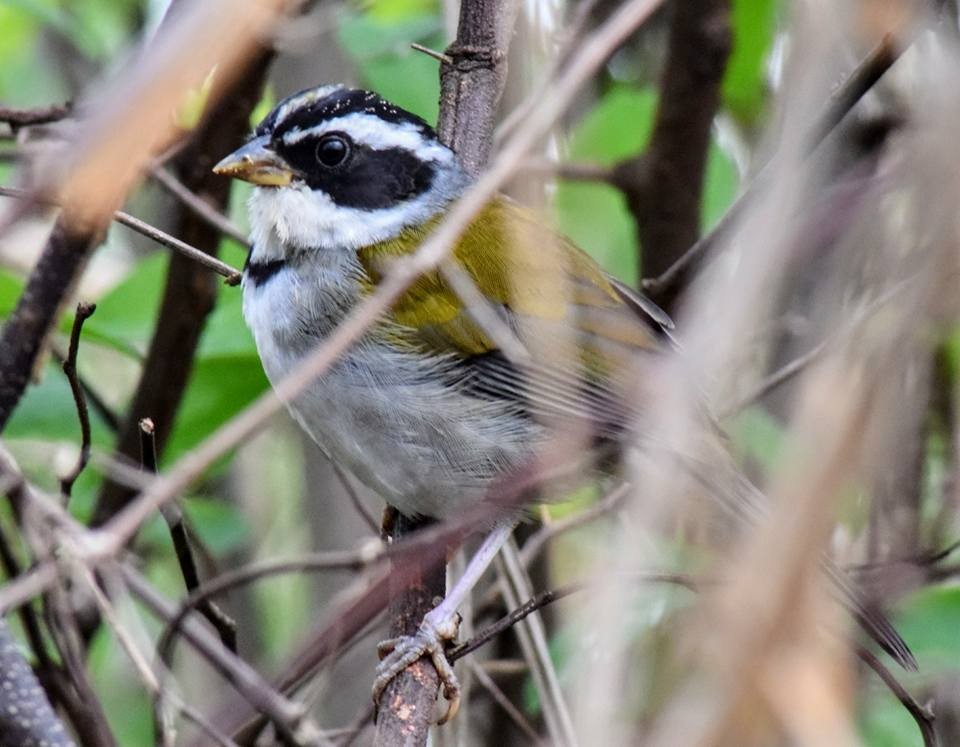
<point>396,654</point>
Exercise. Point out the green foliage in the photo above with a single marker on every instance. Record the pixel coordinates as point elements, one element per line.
<point>378,42</point>
<point>745,82</point>
<point>929,621</point>
<point>594,215</point>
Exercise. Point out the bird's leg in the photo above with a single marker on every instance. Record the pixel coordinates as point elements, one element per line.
<point>439,627</point>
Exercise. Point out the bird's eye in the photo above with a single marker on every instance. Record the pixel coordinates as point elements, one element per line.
<point>332,150</point>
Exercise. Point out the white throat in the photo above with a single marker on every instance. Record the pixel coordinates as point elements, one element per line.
<point>296,218</point>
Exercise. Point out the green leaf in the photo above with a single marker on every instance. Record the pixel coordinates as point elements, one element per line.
<point>929,621</point>
<point>219,388</point>
<point>125,316</point>
<point>47,411</point>
<point>745,83</point>
<point>389,66</point>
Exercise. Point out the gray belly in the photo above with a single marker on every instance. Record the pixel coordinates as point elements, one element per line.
<point>391,417</point>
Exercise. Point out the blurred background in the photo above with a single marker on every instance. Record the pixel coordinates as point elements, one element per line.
<point>277,496</point>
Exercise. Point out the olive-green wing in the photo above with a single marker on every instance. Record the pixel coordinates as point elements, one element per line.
<point>579,326</point>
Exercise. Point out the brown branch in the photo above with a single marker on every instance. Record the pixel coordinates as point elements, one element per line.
<point>664,185</point>
<point>190,293</point>
<point>18,118</point>
<point>471,84</point>
<point>60,264</point>
<point>84,312</point>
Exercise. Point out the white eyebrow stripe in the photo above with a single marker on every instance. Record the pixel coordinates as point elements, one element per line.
<point>370,130</point>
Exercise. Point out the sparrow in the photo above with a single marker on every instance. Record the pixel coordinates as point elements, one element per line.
<point>429,407</point>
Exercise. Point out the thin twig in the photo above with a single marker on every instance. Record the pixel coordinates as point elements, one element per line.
<point>84,312</point>
<point>445,58</point>
<point>231,274</point>
<point>18,118</point>
<point>548,532</point>
<point>921,714</point>
<point>200,207</point>
<point>500,698</point>
<point>225,626</point>
<point>318,562</point>
<point>91,395</point>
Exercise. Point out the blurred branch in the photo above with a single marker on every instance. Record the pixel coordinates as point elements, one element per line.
<point>23,335</point>
<point>231,274</point>
<point>189,294</point>
<point>18,118</point>
<point>26,716</point>
<point>669,283</point>
<point>921,714</point>
<point>84,312</point>
<point>664,185</point>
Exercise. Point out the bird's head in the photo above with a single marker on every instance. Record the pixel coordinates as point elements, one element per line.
<point>339,168</point>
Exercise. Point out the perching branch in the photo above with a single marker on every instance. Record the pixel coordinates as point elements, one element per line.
<point>471,84</point>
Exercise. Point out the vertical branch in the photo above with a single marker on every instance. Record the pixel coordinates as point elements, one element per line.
<point>471,84</point>
<point>407,704</point>
<point>664,185</point>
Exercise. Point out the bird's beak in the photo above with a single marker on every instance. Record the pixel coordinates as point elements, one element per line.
<point>256,163</point>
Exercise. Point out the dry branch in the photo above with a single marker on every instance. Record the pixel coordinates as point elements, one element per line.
<point>190,292</point>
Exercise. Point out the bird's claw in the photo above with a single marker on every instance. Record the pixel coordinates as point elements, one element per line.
<point>396,654</point>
